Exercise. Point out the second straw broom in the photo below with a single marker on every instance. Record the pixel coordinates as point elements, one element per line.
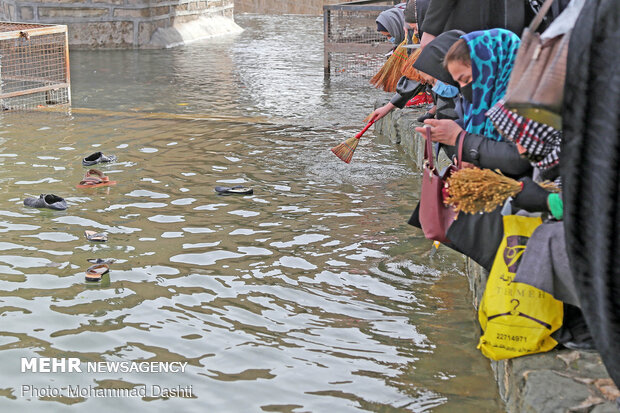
<point>474,190</point>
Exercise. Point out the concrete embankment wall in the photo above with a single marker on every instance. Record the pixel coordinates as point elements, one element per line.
<point>311,7</point>
<point>127,23</point>
<point>557,381</point>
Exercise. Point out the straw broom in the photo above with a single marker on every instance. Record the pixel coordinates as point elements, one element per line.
<point>388,75</point>
<point>474,190</point>
<point>408,70</point>
<point>345,150</point>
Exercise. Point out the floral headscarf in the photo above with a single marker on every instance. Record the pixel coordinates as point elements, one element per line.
<point>492,55</point>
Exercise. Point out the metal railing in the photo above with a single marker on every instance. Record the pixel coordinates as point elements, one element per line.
<point>34,66</point>
<point>352,45</point>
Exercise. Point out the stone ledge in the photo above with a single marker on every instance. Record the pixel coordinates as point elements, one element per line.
<point>556,381</point>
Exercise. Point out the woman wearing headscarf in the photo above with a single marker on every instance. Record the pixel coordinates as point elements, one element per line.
<point>539,143</point>
<point>480,63</point>
<point>405,89</point>
<point>444,90</point>
<point>477,236</point>
<point>391,23</point>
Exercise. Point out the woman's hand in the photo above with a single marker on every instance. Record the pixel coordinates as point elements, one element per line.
<point>442,130</point>
<point>380,112</point>
<point>426,39</point>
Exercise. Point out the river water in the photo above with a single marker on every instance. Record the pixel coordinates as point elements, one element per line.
<point>312,295</point>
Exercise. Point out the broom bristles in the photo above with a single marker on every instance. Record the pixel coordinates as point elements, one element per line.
<point>345,150</point>
<point>390,72</point>
<point>408,69</point>
<point>474,190</point>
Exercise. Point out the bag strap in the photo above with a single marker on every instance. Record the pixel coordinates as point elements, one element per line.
<point>428,150</point>
<point>459,151</point>
<point>540,16</point>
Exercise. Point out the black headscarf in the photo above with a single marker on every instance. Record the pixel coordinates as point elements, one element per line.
<point>590,165</point>
<point>430,60</point>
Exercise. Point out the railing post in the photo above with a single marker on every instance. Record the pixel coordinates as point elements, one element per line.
<point>326,35</point>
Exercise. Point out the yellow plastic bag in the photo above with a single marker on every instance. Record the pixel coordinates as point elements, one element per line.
<point>517,319</point>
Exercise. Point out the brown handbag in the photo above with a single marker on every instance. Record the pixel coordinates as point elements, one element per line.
<point>435,216</point>
<point>536,86</point>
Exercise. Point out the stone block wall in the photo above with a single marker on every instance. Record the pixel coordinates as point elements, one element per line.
<point>114,23</point>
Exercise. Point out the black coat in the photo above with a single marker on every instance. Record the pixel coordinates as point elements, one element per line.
<point>472,15</point>
<point>487,153</point>
<point>590,166</point>
<point>405,90</point>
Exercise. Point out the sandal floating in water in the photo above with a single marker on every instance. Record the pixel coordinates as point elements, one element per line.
<point>95,173</point>
<point>95,272</point>
<point>239,190</point>
<point>96,236</point>
<point>94,179</point>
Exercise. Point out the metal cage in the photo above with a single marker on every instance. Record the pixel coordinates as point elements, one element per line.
<point>34,66</point>
<point>352,45</point>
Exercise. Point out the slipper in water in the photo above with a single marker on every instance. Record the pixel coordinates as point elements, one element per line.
<point>50,201</point>
<point>95,173</point>
<point>95,272</point>
<point>96,158</point>
<point>96,236</point>
<point>93,183</point>
<point>239,190</point>
<point>94,179</point>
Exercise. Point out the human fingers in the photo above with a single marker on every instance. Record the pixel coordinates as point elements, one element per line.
<point>432,122</point>
<point>372,117</point>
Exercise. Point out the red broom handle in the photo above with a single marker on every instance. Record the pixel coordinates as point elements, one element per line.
<point>359,135</point>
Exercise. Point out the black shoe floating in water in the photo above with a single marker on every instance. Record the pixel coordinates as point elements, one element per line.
<point>50,201</point>
<point>239,190</point>
<point>97,157</point>
<point>101,260</point>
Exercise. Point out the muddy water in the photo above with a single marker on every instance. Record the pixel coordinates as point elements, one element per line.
<point>311,295</point>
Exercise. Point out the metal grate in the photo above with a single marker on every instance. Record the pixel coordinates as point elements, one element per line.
<point>34,66</point>
<point>359,65</point>
<point>352,45</point>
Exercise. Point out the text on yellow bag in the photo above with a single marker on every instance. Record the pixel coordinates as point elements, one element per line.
<point>517,319</point>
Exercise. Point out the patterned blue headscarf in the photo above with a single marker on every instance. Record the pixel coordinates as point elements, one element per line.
<point>492,55</point>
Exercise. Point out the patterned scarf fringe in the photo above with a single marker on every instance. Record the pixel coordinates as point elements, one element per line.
<point>542,142</point>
